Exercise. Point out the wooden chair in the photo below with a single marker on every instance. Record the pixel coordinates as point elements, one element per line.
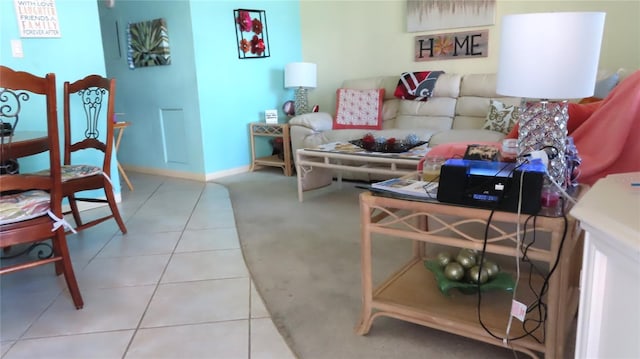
<point>89,102</point>
<point>31,205</point>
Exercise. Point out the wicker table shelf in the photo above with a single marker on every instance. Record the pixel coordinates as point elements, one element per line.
<point>411,293</point>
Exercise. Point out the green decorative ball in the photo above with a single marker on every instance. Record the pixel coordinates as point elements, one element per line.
<point>492,268</point>
<point>466,259</point>
<point>454,271</point>
<point>477,275</point>
<point>444,258</point>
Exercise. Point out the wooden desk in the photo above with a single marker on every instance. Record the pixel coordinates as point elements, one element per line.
<point>411,293</point>
<point>120,126</point>
<point>23,143</point>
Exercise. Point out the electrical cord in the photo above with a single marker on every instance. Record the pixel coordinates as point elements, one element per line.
<point>538,304</point>
<point>518,244</point>
<point>431,185</point>
<point>484,248</point>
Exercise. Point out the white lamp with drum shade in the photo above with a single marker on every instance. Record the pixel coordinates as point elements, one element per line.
<point>548,56</point>
<point>301,76</point>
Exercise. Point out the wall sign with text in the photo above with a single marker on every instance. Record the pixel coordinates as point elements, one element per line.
<point>37,18</point>
<point>456,45</point>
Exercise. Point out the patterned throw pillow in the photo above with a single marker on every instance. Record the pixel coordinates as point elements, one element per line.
<point>501,118</point>
<point>359,109</point>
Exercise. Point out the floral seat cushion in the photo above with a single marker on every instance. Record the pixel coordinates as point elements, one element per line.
<point>70,172</point>
<point>22,206</point>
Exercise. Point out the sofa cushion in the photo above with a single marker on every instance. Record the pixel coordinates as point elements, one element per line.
<point>359,109</point>
<point>478,136</point>
<point>501,117</point>
<point>437,113</point>
<point>478,85</point>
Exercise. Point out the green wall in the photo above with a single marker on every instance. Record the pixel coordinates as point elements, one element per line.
<point>354,39</point>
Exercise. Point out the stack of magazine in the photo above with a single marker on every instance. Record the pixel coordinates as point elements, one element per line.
<point>408,187</point>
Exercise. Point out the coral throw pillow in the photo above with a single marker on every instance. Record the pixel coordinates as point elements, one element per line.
<point>578,113</point>
<point>501,118</point>
<point>359,109</point>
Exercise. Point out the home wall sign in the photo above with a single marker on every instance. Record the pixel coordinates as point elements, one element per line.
<point>148,44</point>
<point>456,45</point>
<point>37,18</point>
<point>252,38</point>
<point>425,15</point>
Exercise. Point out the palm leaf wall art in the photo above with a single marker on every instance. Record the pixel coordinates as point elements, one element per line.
<point>148,44</point>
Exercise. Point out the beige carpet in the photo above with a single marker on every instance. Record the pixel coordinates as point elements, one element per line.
<point>305,260</point>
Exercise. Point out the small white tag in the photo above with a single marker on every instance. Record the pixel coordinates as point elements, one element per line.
<point>518,310</point>
<point>271,116</point>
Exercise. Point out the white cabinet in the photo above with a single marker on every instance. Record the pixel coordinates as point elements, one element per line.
<point>609,312</point>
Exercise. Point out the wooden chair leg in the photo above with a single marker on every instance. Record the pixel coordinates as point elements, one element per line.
<point>60,243</point>
<point>111,199</point>
<point>74,210</point>
<point>55,252</point>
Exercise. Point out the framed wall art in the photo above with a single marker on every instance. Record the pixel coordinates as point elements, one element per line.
<point>252,39</point>
<point>426,15</point>
<point>148,44</point>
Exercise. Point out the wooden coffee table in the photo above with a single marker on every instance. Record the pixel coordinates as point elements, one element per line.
<point>315,167</point>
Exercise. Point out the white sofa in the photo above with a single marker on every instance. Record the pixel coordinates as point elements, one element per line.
<point>456,112</point>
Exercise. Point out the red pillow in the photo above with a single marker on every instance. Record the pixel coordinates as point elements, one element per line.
<point>359,109</point>
<point>578,113</point>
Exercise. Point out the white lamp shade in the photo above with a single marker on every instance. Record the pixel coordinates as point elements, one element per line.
<point>550,55</point>
<point>300,74</point>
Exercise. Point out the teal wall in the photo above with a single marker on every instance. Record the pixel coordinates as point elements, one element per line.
<point>76,54</point>
<point>191,118</point>
<point>235,92</point>
<point>161,102</point>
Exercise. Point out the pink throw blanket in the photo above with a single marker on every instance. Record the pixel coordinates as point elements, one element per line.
<point>608,141</point>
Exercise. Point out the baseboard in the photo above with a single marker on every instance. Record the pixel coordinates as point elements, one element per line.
<point>229,172</point>
<point>186,175</point>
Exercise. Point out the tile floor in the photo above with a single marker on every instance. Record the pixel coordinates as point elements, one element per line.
<point>175,286</point>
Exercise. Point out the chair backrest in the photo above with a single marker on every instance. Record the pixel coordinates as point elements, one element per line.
<point>89,106</point>
<point>20,94</point>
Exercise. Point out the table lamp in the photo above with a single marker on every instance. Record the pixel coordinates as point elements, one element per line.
<point>301,76</point>
<point>548,57</point>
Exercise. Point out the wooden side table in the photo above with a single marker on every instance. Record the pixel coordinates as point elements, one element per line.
<point>273,130</point>
<point>120,126</point>
<point>411,293</point>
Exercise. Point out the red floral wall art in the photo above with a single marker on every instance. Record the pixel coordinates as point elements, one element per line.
<point>251,33</point>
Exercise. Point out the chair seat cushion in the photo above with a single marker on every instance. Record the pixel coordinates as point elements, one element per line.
<point>24,205</point>
<point>70,172</point>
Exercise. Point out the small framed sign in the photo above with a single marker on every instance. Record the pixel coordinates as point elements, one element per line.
<point>271,116</point>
